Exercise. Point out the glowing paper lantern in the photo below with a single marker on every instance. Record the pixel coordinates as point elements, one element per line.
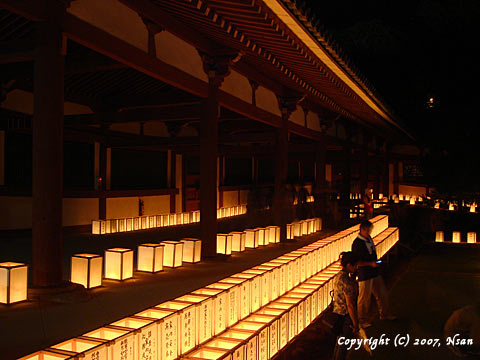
<point>238,241</point>
<point>158,221</point>
<point>456,236</point>
<point>118,264</point>
<point>471,237</point>
<point>255,288</point>
<point>122,225</point>
<point>187,323</point>
<point>152,222</point>
<point>13,282</point>
<point>233,300</point>
<point>224,244</point>
<point>245,294</point>
<point>49,355</point>
<point>439,236</point>
<point>472,208</point>
<point>380,196</point>
<point>304,224</point>
<point>437,205</point>
<point>121,341</point>
<point>137,224</point>
<point>172,253</point>
<point>450,207</point>
<point>84,348</point>
<point>400,197</point>
<point>220,303</point>
<point>297,228</point>
<point>264,273</point>
<point>204,353</point>
<point>192,250</point>
<point>282,330</point>
<point>150,257</point>
<point>129,223</point>
<point>114,224</point>
<point>167,331</point>
<point>251,241</point>
<point>204,315</point>
<point>412,200</point>
<point>145,335</point>
<point>247,337</point>
<point>86,269</point>
<point>272,323</point>
<point>234,346</point>
<point>272,234</point>
<point>260,235</point>
<point>172,219</point>
<point>261,351</point>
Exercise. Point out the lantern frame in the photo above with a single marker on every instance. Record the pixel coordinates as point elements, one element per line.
<point>176,250</point>
<point>10,287</point>
<point>150,257</point>
<point>238,241</point>
<point>92,270</point>
<point>125,266</point>
<point>224,244</point>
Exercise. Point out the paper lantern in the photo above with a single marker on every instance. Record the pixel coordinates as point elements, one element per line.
<point>255,288</point>
<point>233,300</point>
<point>150,257</point>
<point>238,241</point>
<point>196,216</point>
<point>167,331</point>
<point>456,236</point>
<point>122,225</point>
<point>471,237</point>
<point>219,213</point>
<point>137,223</point>
<point>152,222</point>
<point>297,228</point>
<point>245,295</point>
<point>234,346</point>
<point>290,235</point>
<point>472,208</point>
<point>86,269</point>
<point>118,264</point>
<point>272,234</point>
<point>380,196</point>
<point>272,323</point>
<point>248,337</point>
<point>224,244</point>
<point>220,303</point>
<point>129,224</point>
<point>172,253</point>
<point>113,226</point>
<point>439,236</point>
<point>400,197</point>
<point>84,348</point>
<point>95,227</point>
<point>204,353</point>
<point>192,250</point>
<point>158,221</point>
<point>13,282</point>
<point>251,241</point>
<point>121,341</point>
<point>437,205</point>
<point>282,330</point>
<point>145,335</point>
<point>261,329</point>
<point>412,200</point>
<point>204,315</point>
<point>172,219</point>
<point>186,325</point>
<point>450,207</point>
<point>49,355</point>
<point>260,235</point>
<point>264,273</point>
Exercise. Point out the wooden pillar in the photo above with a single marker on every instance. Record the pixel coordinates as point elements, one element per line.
<point>281,205</point>
<point>363,170</point>
<point>376,185</point>
<point>386,173</point>
<point>216,68</point>
<point>396,179</point>
<point>2,157</point>
<point>47,182</point>
<point>102,201</point>
<point>320,176</point>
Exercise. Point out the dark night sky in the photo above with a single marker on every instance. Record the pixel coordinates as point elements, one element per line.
<point>412,50</point>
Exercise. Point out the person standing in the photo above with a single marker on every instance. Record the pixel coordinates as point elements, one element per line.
<point>345,292</point>
<point>369,279</point>
<point>368,203</point>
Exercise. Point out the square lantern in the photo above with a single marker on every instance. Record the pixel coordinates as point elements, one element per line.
<point>137,223</point>
<point>179,217</point>
<point>238,241</point>
<point>204,305</point>
<point>472,208</point>
<point>439,236</point>
<point>311,226</point>
<point>172,253</point>
<point>290,234</point>
<point>450,207</point>
<point>172,219</point>
<point>220,304</point>
<point>245,294</point>
<point>261,330</point>
<point>129,224</point>
<point>272,322</point>
<point>150,257</point>
<point>304,227</point>
<point>13,282</point>
<point>110,225</point>
<point>84,348</point>
<point>282,330</point>
<point>471,237</point>
<point>186,324</point>
<point>456,236</point>
<point>265,274</point>
<point>50,354</point>
<point>272,234</point>
<point>118,264</point>
<point>143,222</point>
<point>121,341</point>
<point>122,225</point>
<point>192,250</point>
<point>167,331</point>
<point>233,300</point>
<point>204,353</point>
<point>196,216</point>
<point>86,269</point>
<point>260,235</point>
<point>152,221</point>
<point>145,338</point>
<point>251,241</point>
<point>165,220</point>
<point>233,346</point>
<point>255,288</point>
<point>158,221</point>
<point>247,337</point>
<point>96,227</point>
<point>297,228</point>
<point>186,218</point>
<point>224,244</point>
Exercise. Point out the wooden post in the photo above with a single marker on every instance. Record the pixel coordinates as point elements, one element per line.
<point>320,181</point>
<point>47,182</point>
<point>102,201</point>
<point>396,178</point>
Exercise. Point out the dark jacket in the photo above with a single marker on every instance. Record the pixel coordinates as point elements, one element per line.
<point>360,249</point>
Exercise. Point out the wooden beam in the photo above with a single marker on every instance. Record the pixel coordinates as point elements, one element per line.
<point>14,51</point>
<point>30,9</point>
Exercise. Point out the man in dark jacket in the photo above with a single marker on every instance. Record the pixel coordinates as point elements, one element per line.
<point>369,279</point>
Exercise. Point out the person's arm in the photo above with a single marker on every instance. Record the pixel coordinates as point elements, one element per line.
<point>368,263</point>
<point>362,253</point>
<point>352,311</point>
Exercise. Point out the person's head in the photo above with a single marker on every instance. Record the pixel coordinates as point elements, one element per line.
<point>366,228</point>
<point>349,261</point>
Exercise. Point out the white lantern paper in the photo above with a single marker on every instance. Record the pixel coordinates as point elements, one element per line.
<point>152,221</point>
<point>129,224</point>
<point>224,244</point>
<point>220,301</point>
<point>150,257</point>
<point>471,237</point>
<point>96,227</point>
<point>456,236</point>
<point>251,241</point>
<point>248,337</point>
<point>121,341</point>
<point>245,295</point>
<point>86,269</point>
<point>272,323</point>
<point>167,331</point>
<point>304,224</point>
<point>204,305</point>
<point>122,225</point>
<point>204,353</point>
<point>439,236</point>
<point>158,221</point>
<point>172,253</point>
<point>272,234</point>
<point>13,282</point>
<point>192,250</point>
<point>84,348</point>
<point>233,300</point>
<point>49,355</point>
<point>234,347</point>
<point>118,264</point>
<point>261,350</point>
<point>260,235</point>
<point>238,241</point>
<point>145,338</point>
<point>255,288</point>
<point>282,330</point>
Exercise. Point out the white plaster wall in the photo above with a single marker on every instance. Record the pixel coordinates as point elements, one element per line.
<point>115,18</point>
<point>313,121</point>
<point>180,54</point>
<point>230,198</point>
<point>22,101</point>
<point>298,116</point>
<point>267,100</point>
<point>237,85</point>
<point>77,211</point>
<point>122,207</point>
<point>154,205</point>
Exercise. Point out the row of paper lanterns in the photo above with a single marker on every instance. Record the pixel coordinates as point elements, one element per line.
<point>303,227</point>
<point>249,315</point>
<point>110,226</point>
<point>456,237</point>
